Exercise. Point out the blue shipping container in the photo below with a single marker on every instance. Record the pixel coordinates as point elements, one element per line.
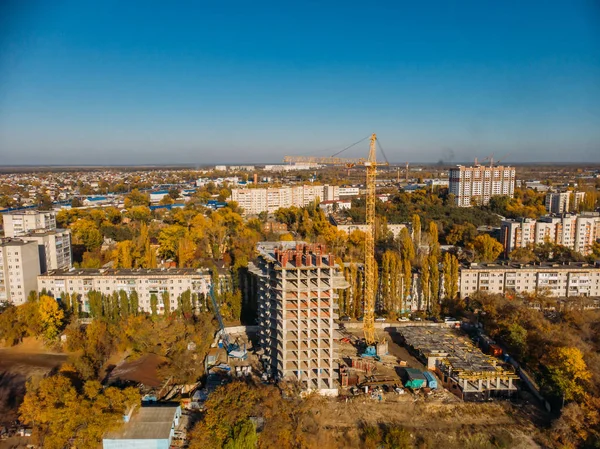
<point>431,380</point>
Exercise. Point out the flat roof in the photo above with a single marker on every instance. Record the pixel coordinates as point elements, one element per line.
<point>147,423</point>
<point>16,242</point>
<point>530,266</point>
<point>159,272</point>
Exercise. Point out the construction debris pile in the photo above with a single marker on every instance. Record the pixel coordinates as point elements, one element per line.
<point>462,367</point>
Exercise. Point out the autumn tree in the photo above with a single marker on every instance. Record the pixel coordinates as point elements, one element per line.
<point>153,304</point>
<point>51,317</point>
<point>486,248</point>
<point>63,417</point>
<point>568,372</point>
<point>166,300</point>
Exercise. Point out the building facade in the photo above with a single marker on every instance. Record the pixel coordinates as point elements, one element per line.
<point>20,223</point>
<point>563,202</point>
<point>476,185</point>
<point>143,281</point>
<point>54,248</point>
<point>255,201</point>
<point>550,279</point>
<point>577,232</point>
<point>297,309</point>
<point>19,268</point>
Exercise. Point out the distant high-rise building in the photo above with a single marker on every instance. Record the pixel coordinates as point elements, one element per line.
<point>255,201</point>
<point>476,185</point>
<point>20,223</point>
<point>19,268</point>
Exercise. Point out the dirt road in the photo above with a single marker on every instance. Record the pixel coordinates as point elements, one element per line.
<point>16,366</point>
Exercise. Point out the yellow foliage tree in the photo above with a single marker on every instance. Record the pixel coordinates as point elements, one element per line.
<point>568,371</point>
<point>51,317</point>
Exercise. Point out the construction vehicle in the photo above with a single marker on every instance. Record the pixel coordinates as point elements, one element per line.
<point>371,165</point>
<point>233,348</point>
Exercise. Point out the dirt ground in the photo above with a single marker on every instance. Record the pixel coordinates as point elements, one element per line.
<point>17,364</point>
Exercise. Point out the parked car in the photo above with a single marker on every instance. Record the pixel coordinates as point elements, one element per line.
<point>380,319</point>
<point>403,319</point>
<point>345,318</point>
<point>361,318</point>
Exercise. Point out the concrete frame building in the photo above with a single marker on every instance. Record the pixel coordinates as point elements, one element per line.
<point>20,223</point>
<point>463,369</point>
<point>297,309</point>
<point>575,279</point>
<point>479,183</point>
<point>255,201</point>
<point>144,281</point>
<point>19,268</point>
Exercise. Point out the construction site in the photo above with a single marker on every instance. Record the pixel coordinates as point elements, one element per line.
<point>461,366</point>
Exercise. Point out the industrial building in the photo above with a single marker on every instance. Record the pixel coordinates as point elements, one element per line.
<point>149,427</point>
<point>297,312</point>
<point>476,185</point>
<point>462,368</point>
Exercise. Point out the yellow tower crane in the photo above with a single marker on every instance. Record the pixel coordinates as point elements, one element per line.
<point>371,165</point>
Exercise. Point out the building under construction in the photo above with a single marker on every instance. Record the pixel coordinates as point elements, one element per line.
<point>297,308</point>
<point>462,367</point>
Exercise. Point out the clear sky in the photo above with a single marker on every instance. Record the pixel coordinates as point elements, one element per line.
<point>135,82</point>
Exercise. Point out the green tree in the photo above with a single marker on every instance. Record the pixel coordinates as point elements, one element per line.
<point>166,303</point>
<point>136,198</point>
<point>243,436</point>
<point>568,372</point>
<point>134,302</point>
<point>153,304</point>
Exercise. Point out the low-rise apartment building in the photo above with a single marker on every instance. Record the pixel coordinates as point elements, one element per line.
<point>551,279</point>
<point>145,282</point>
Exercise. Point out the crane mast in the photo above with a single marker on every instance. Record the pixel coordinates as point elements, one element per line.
<point>369,312</point>
<point>370,275</point>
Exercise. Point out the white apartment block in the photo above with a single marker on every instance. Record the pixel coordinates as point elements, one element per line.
<point>255,201</point>
<point>144,281</point>
<point>476,185</point>
<point>348,191</point>
<point>19,223</point>
<point>54,248</point>
<point>296,295</point>
<point>563,202</point>
<point>19,268</point>
<point>577,232</point>
<point>552,279</point>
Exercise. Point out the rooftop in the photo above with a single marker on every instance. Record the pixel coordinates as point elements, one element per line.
<point>148,423</point>
<point>167,272</point>
<point>532,266</point>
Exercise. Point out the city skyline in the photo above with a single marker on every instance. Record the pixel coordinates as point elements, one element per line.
<point>87,84</point>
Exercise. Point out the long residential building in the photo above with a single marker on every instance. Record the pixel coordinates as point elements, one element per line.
<point>255,201</point>
<point>476,185</point>
<point>145,282</point>
<point>296,295</point>
<point>549,279</point>
<point>20,223</point>
<point>19,268</point>
<point>577,232</point>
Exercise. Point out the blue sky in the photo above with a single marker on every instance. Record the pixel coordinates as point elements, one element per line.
<point>135,82</point>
